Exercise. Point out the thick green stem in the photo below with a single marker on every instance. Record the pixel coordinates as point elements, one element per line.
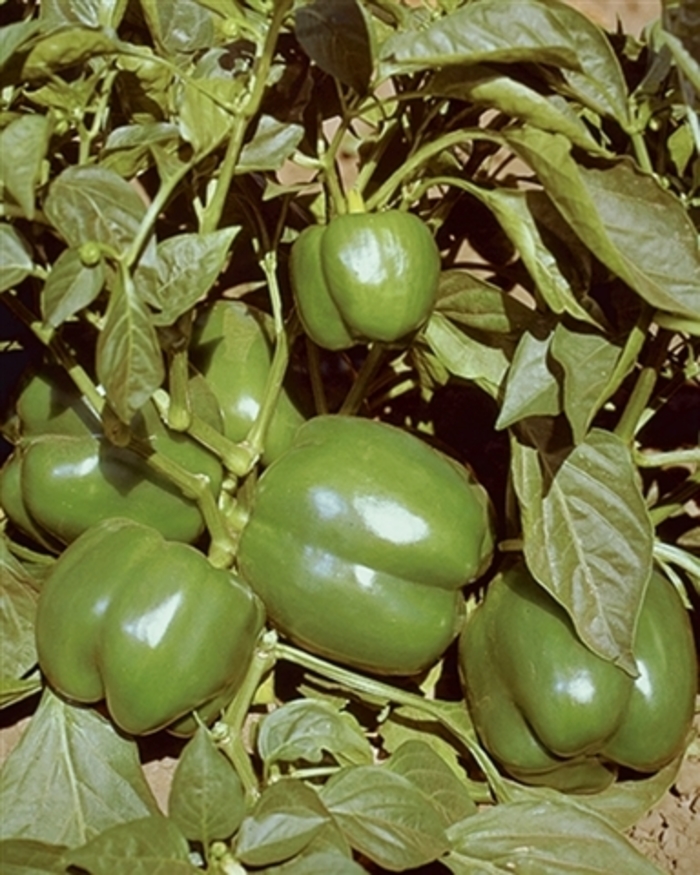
<point>643,389</point>
<point>317,388</point>
<point>675,458</point>
<point>179,409</point>
<point>676,501</point>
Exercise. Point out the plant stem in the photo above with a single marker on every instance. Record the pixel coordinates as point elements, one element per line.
<point>643,389</point>
<point>358,390</point>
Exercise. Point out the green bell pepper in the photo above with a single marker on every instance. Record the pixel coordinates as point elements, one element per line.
<point>64,475</point>
<point>148,625</point>
<point>551,711</point>
<point>232,347</point>
<point>364,277</point>
<point>359,540</point>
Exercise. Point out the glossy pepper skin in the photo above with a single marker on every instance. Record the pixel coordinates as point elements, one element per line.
<point>359,540</point>
<point>148,625</point>
<point>552,712</point>
<point>64,475</point>
<point>232,347</point>
<point>364,277</point>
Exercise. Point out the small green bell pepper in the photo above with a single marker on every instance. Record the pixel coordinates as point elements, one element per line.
<point>359,540</point>
<point>364,277</point>
<point>232,347</point>
<point>551,711</point>
<point>64,475</point>
<point>148,625</point>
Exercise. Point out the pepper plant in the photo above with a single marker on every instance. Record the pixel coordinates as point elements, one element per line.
<point>318,317</point>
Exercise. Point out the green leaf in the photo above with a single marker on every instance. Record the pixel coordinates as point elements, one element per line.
<point>148,846</point>
<point>285,819</point>
<point>532,389</point>
<point>490,87</point>
<point>336,35</point>
<point>482,361</point>
<point>476,304</point>
<point>429,773</point>
<point>89,203</point>
<point>128,357</point>
<point>91,13</point>
<point>188,266</point>
<point>179,26</point>
<point>385,817</point>
<point>206,110</point>
<point>588,360</point>
<point>306,730</point>
<point>319,863</point>
<point>14,36</point>
<point>515,31</point>
<point>207,800</point>
<point>587,535</point>
<point>637,229</point>
<point>272,144</point>
<point>70,287</point>
<point>18,598</point>
<point>546,838</point>
<point>13,691</point>
<point>26,857</point>
<point>70,777</point>
<point>23,146</point>
<point>15,257</point>
<point>60,49</point>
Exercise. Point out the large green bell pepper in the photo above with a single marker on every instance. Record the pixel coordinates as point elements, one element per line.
<point>232,347</point>
<point>64,475</point>
<point>552,712</point>
<point>359,540</point>
<point>364,277</point>
<point>148,625</point>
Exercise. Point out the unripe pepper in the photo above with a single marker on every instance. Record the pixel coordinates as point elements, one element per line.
<point>148,625</point>
<point>364,277</point>
<point>359,540</point>
<point>64,475</point>
<point>552,712</point>
<point>232,347</point>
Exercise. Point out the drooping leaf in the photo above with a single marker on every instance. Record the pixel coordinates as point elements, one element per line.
<point>634,226</point>
<point>549,838</point>
<point>70,777</point>
<point>272,144</point>
<point>206,800</point>
<point>385,817</point>
<point>23,146</point>
<point>128,357</point>
<point>61,49</point>
<point>70,286</point>
<point>587,535</point>
<point>285,819</point>
<point>336,35</point>
<point>308,729</point>
<point>15,257</point>
<point>147,846</point>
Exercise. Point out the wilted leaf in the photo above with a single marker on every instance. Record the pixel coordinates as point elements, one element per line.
<point>587,536</point>
<point>70,777</point>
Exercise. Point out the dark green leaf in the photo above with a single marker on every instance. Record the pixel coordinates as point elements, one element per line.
<point>88,203</point>
<point>15,257</point>
<point>26,857</point>
<point>545,838</point>
<point>179,26</point>
<point>588,360</point>
<point>426,770</point>
<point>336,35</point>
<point>465,356</point>
<point>149,846</point>
<point>476,304</point>
<point>285,819</point>
<point>23,146</point>
<point>512,31</point>
<point>207,800</point>
<point>206,110</point>
<point>587,536</point>
<point>385,817</point>
<point>70,777</point>
<point>273,142</point>
<point>129,360</point>
<point>14,36</point>
<point>633,225</point>
<point>531,389</point>
<point>188,266</point>
<point>70,286</point>
<point>307,729</point>
<point>319,863</point>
